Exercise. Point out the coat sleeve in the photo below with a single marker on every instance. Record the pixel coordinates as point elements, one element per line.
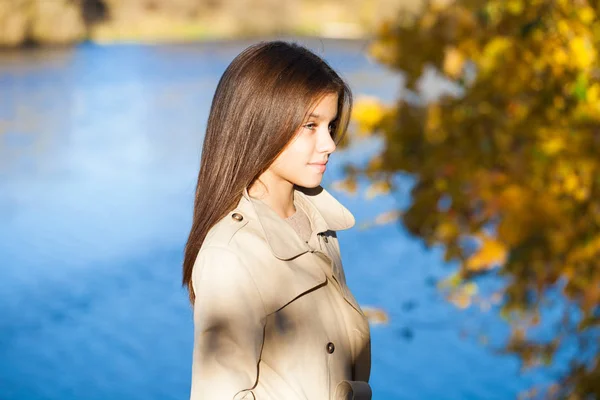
<point>229,321</point>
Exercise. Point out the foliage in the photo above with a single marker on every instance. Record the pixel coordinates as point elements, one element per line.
<point>507,169</point>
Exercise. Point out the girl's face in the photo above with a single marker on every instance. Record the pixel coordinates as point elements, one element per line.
<point>303,161</point>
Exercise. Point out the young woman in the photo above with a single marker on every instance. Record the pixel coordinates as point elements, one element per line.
<point>273,316</point>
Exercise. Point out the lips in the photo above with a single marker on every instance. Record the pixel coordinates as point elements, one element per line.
<point>319,166</point>
<point>318,163</point>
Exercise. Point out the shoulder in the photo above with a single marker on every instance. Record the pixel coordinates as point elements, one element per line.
<point>226,257</point>
<point>235,240</point>
<point>238,232</point>
<point>223,231</point>
<point>237,257</point>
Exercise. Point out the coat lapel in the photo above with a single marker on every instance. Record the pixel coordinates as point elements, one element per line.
<point>324,211</point>
<point>302,275</point>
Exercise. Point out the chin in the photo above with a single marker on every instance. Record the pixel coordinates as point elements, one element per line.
<point>310,184</point>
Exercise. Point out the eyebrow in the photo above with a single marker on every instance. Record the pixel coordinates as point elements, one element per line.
<point>314,115</point>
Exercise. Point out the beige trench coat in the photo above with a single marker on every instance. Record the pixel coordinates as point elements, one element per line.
<point>273,316</point>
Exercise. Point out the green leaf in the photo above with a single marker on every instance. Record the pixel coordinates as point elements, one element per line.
<point>580,90</point>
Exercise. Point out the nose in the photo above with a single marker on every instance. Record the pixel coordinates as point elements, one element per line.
<point>326,143</point>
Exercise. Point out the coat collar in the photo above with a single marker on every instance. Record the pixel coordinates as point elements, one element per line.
<point>323,210</point>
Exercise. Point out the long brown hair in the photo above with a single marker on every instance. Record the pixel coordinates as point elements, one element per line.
<point>262,99</point>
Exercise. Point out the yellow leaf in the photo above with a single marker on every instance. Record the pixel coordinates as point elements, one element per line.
<point>387,217</point>
<point>345,185</point>
<point>490,254</point>
<point>440,5</point>
<point>460,299</point>
<point>586,14</point>
<point>512,197</point>
<point>563,27</point>
<point>434,132</point>
<point>368,113</point>
<point>571,183</point>
<point>560,56</point>
<point>553,145</point>
<point>377,189</point>
<point>492,51</point>
<point>453,62</point>
<point>375,315</point>
<point>593,94</point>
<point>586,251</point>
<point>583,52</point>
<point>470,288</point>
<point>514,6</point>
<point>450,282</point>
<point>446,230</point>
<point>581,194</point>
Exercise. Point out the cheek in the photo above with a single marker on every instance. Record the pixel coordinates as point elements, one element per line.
<point>291,163</point>
<point>296,155</point>
<point>287,163</point>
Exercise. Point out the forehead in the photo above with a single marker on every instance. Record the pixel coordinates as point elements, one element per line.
<point>326,107</point>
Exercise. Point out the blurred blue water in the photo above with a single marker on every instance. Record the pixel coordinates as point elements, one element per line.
<point>98,161</point>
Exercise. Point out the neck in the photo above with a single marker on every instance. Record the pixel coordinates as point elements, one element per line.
<point>277,193</point>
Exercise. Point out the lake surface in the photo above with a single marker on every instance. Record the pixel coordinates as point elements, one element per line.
<point>99,153</point>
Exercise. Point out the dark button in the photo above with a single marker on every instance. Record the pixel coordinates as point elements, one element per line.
<point>330,348</point>
<point>237,216</point>
<point>325,239</point>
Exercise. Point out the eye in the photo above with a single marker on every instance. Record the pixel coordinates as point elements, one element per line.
<point>332,127</point>
<point>311,126</point>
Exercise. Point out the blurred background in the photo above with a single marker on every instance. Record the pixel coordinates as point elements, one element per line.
<point>472,166</point>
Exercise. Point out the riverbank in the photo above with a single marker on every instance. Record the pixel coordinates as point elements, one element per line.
<point>64,22</point>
